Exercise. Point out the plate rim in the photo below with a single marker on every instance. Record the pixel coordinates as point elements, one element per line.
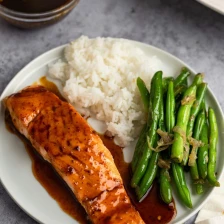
<point>211,6</point>
<point>62,47</point>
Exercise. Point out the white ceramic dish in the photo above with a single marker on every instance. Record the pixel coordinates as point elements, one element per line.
<point>216,5</point>
<point>15,164</point>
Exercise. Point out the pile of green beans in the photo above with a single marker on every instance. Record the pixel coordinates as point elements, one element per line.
<point>179,110</point>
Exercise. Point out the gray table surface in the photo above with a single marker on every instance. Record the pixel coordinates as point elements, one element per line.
<point>184,28</point>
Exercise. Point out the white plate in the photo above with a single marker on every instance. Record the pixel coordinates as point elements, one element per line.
<point>15,164</point>
<point>216,5</point>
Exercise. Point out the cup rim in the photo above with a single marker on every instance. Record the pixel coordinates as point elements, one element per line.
<point>12,13</point>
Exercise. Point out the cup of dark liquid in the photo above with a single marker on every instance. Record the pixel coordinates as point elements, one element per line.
<point>35,13</point>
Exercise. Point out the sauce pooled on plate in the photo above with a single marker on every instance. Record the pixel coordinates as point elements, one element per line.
<point>152,210</point>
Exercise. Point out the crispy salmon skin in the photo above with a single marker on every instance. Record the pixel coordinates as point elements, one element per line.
<point>64,138</point>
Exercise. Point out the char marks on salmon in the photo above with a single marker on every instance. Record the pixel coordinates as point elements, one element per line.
<point>64,139</point>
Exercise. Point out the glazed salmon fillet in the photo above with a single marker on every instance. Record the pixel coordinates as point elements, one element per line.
<point>64,139</point>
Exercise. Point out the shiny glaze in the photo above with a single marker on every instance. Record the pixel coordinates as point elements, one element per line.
<point>33,6</point>
<point>64,139</point>
<point>152,209</point>
<point>50,86</point>
<point>161,213</point>
<point>49,179</point>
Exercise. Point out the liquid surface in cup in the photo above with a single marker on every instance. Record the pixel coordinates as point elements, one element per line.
<point>33,6</point>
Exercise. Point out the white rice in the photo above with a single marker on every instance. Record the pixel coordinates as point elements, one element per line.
<point>99,79</point>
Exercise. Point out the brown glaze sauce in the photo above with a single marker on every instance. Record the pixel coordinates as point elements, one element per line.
<point>33,6</point>
<point>153,210</point>
<point>49,179</point>
<point>50,86</point>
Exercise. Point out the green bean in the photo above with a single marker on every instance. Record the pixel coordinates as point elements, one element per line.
<point>180,182</point>
<point>203,152</point>
<point>166,81</point>
<point>157,96</point>
<point>185,82</point>
<point>213,139</point>
<point>181,78</point>
<point>142,136</point>
<point>149,176</point>
<point>182,121</point>
<point>179,90</point>
<point>203,105</point>
<point>198,79</point>
<point>145,96</point>
<point>152,91</point>
<point>158,113</point>
<point>199,123</point>
<point>201,89</point>
<point>170,107</point>
<point>178,93</point>
<point>165,187</point>
<point>139,145</point>
<point>146,152</point>
<point>180,86</point>
<point>142,162</point>
<point>144,93</point>
<point>151,97</point>
<point>161,122</point>
<point>142,152</point>
<point>200,120</point>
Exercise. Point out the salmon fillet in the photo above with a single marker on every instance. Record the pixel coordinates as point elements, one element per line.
<point>64,139</point>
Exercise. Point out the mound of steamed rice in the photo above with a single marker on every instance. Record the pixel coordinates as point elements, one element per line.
<point>99,79</point>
